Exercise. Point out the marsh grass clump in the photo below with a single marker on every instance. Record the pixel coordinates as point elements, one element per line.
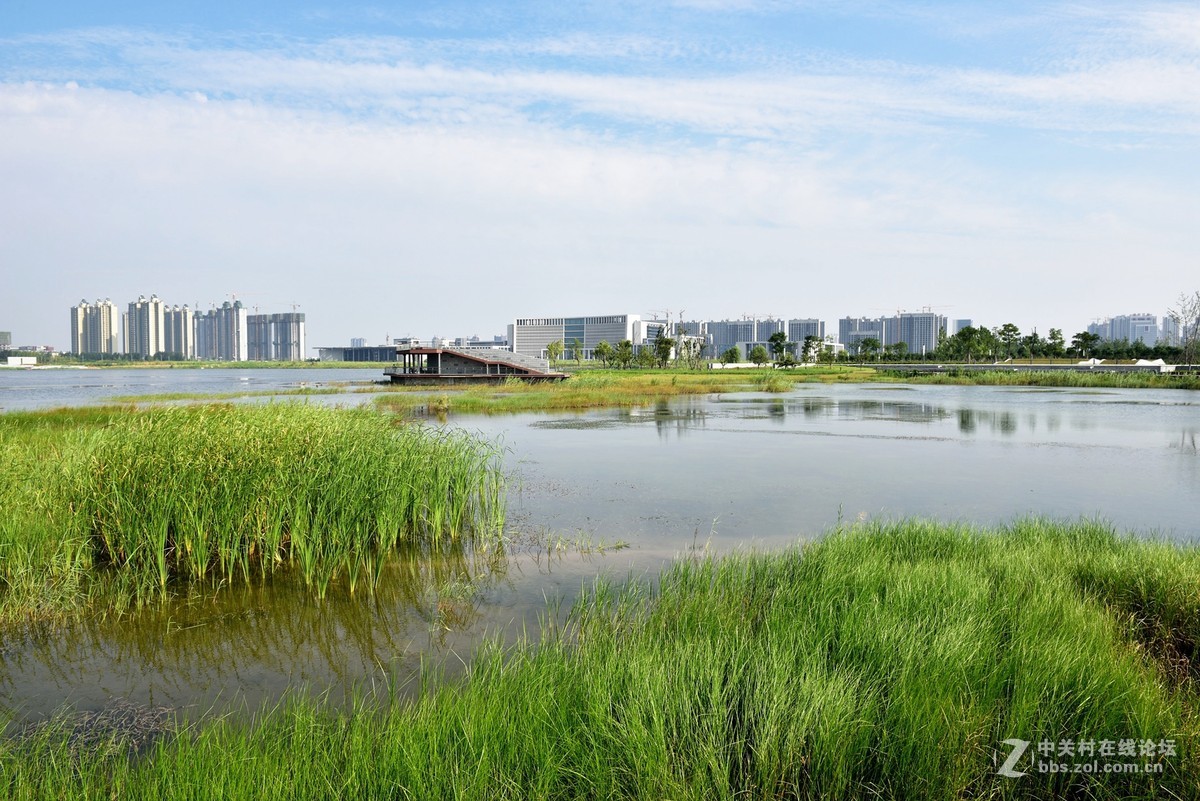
<point>774,382</point>
<point>229,493</point>
<point>885,661</point>
<point>588,390</point>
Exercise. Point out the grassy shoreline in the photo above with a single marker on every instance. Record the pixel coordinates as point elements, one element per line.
<point>593,389</point>
<point>882,661</point>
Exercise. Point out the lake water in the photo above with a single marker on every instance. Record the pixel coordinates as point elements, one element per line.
<point>618,493</point>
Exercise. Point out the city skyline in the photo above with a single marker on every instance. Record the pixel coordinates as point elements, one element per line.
<point>1033,164</point>
<point>230,333</point>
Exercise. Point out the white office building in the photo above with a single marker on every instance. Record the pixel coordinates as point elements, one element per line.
<point>531,336</point>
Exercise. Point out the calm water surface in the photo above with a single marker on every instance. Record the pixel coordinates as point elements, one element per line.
<point>620,493</point>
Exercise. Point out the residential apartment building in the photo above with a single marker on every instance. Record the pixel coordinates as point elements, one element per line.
<point>1127,328</point>
<point>853,330</point>
<point>95,328</point>
<point>919,331</point>
<point>221,333</point>
<point>275,337</point>
<point>144,325</point>
<point>798,330</point>
<point>179,333</point>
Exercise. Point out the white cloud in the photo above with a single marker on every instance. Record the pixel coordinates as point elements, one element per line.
<point>356,175</point>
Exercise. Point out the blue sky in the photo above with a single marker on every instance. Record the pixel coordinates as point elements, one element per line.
<point>437,169</point>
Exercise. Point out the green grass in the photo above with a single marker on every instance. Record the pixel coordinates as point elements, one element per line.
<point>160,397</point>
<point>1050,378</point>
<point>139,500</point>
<point>594,388</point>
<point>886,661</point>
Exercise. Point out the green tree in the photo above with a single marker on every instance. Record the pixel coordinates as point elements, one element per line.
<point>810,349</point>
<point>554,350</point>
<point>1185,314</point>
<point>731,355</point>
<point>867,348</point>
<point>603,351</point>
<point>1057,346</point>
<point>759,355</point>
<point>1009,337</point>
<point>779,344</point>
<point>624,354</point>
<point>646,357</point>
<point>1032,345</point>
<point>663,347</point>
<point>1084,342</point>
<point>577,350</point>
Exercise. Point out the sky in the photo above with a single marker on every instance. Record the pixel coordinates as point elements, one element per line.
<point>441,168</point>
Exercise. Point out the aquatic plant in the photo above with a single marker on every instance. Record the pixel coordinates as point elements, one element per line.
<point>227,493</point>
<point>883,661</point>
<point>774,382</point>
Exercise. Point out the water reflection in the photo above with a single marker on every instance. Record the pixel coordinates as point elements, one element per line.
<point>728,472</point>
<point>250,644</point>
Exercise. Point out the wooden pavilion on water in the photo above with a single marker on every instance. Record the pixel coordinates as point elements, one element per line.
<point>427,365</point>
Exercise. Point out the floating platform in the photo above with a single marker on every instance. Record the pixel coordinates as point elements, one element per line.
<point>418,365</point>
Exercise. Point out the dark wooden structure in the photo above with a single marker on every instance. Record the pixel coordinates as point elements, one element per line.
<point>422,365</point>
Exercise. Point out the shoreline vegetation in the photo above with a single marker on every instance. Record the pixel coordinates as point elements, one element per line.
<point>884,660</point>
<point>122,505</point>
<point>593,388</point>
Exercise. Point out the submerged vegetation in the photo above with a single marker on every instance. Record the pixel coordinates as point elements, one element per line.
<point>883,661</point>
<point>142,499</point>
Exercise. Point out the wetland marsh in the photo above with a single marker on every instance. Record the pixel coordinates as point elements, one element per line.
<point>661,532</point>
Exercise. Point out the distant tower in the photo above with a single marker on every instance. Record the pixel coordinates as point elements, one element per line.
<point>144,328</point>
<point>94,328</point>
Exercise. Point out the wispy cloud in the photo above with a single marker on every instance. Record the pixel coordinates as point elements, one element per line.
<point>199,159</point>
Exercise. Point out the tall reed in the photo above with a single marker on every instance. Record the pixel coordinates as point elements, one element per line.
<point>230,492</point>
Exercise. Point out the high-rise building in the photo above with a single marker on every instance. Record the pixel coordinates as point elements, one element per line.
<point>919,331</point>
<point>5,340</point>
<point>94,328</point>
<point>798,330</point>
<point>852,330</point>
<point>275,337</point>
<point>1170,332</point>
<point>1127,328</point>
<point>221,334</point>
<point>144,324</point>
<point>179,333</point>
